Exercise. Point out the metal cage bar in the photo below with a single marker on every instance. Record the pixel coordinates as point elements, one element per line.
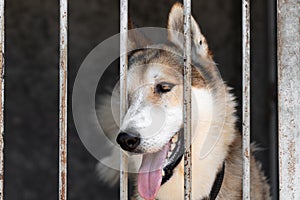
<point>123,92</point>
<point>187,101</point>
<point>246,97</point>
<point>288,26</point>
<point>2,45</point>
<point>63,92</point>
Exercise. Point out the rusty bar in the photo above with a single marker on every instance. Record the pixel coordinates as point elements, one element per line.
<point>246,98</point>
<point>63,73</point>
<point>187,101</point>
<point>2,40</point>
<point>123,92</point>
<point>288,52</point>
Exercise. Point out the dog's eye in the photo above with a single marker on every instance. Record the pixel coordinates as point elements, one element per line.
<point>164,87</point>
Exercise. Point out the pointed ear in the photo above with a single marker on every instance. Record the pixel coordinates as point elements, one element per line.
<point>136,39</point>
<point>175,31</point>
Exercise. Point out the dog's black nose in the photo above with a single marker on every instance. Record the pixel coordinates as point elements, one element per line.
<point>128,142</point>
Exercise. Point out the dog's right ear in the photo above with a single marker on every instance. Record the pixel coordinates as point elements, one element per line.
<point>175,31</point>
<point>136,39</point>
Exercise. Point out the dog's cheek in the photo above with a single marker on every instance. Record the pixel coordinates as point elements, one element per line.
<point>174,98</point>
<point>174,118</point>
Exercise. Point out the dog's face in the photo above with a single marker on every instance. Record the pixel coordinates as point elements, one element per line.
<point>155,103</point>
<point>153,123</point>
<point>155,88</point>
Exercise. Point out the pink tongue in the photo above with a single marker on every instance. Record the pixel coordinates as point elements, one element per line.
<point>149,177</point>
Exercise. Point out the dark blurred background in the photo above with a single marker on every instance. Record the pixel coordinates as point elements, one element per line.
<point>31,102</point>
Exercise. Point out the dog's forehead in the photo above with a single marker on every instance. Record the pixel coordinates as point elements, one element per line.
<point>153,65</point>
<point>153,73</point>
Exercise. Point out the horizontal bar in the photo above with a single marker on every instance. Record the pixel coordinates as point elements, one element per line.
<point>123,92</point>
<point>187,101</point>
<point>63,92</point>
<point>246,97</point>
<point>288,26</point>
<point>2,45</point>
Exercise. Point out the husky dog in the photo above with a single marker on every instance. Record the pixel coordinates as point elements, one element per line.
<point>155,83</point>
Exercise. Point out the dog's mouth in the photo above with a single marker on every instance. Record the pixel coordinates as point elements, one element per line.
<point>157,168</point>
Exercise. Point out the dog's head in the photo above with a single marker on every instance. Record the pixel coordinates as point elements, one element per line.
<point>155,88</point>
<point>153,123</point>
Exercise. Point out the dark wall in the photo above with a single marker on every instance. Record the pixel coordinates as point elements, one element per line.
<point>31,103</point>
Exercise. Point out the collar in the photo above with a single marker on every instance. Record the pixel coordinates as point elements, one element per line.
<point>217,184</point>
<point>215,188</point>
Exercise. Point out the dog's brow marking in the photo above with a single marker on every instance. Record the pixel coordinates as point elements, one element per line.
<point>153,73</point>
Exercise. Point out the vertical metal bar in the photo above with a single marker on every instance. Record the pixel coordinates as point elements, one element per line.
<point>288,26</point>
<point>272,40</point>
<point>63,76</point>
<point>2,45</point>
<point>246,98</point>
<point>187,101</point>
<point>123,92</point>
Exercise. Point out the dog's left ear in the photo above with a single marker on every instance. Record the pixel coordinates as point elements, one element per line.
<point>175,31</point>
<point>136,39</point>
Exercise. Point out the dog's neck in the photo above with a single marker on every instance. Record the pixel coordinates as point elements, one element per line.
<point>206,162</point>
